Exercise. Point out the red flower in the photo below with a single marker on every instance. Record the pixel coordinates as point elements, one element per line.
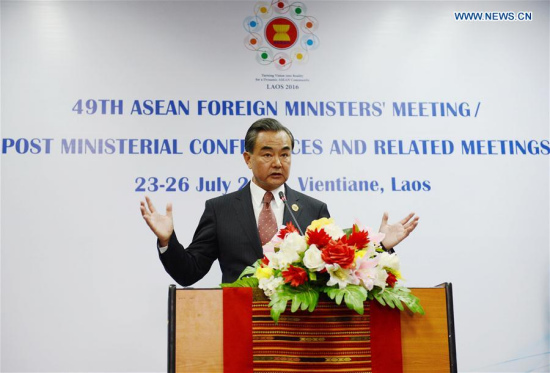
<point>264,262</point>
<point>319,238</point>
<point>339,253</point>
<point>289,228</point>
<point>358,238</point>
<point>391,280</point>
<point>295,275</point>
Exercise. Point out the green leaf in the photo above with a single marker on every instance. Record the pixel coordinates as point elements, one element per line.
<point>245,282</point>
<point>397,296</point>
<point>296,302</point>
<point>411,301</point>
<point>308,297</point>
<point>303,297</point>
<point>378,297</point>
<point>250,270</point>
<point>339,298</point>
<point>311,299</point>
<point>392,299</point>
<point>312,276</point>
<point>348,231</point>
<point>353,295</point>
<point>278,306</point>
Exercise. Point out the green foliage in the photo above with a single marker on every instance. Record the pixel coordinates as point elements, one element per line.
<point>353,295</point>
<point>245,282</point>
<point>396,297</point>
<point>278,306</point>
<point>250,270</point>
<point>302,297</point>
<point>348,231</point>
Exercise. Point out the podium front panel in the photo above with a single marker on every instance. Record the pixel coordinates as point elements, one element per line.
<point>198,327</point>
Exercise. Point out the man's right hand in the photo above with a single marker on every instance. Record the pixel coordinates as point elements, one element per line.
<point>161,225</point>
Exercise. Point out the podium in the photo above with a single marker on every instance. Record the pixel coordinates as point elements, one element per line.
<point>195,331</point>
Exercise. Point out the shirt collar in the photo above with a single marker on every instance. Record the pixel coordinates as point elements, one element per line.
<point>258,194</point>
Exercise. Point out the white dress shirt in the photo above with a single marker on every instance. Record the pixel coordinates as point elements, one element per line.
<point>277,205</point>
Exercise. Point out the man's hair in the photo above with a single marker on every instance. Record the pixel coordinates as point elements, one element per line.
<point>263,125</point>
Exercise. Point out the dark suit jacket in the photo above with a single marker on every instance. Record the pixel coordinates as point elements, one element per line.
<point>228,232</point>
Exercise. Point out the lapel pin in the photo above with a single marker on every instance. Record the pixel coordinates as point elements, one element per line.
<point>295,207</point>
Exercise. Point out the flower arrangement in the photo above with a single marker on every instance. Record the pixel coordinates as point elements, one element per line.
<point>346,264</point>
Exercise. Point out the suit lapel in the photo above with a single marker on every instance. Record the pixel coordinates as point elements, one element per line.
<point>292,199</point>
<point>245,214</point>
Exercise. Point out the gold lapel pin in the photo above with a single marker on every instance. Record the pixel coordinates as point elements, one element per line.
<point>295,207</point>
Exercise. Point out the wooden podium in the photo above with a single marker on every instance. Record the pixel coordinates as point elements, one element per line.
<point>195,331</point>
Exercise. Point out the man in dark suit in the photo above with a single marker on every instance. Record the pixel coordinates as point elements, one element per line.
<point>229,227</point>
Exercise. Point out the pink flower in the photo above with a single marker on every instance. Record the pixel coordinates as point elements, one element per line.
<point>366,271</point>
<point>373,236</point>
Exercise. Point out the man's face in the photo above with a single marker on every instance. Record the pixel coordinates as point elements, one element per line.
<point>270,160</point>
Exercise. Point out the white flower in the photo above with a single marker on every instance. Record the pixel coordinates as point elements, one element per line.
<point>294,242</point>
<point>282,258</point>
<point>380,277</point>
<point>287,257</point>
<point>334,231</point>
<point>270,285</point>
<point>312,258</point>
<point>340,276</point>
<point>289,251</point>
<point>390,261</point>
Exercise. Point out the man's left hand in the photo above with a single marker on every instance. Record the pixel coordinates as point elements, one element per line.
<point>397,232</point>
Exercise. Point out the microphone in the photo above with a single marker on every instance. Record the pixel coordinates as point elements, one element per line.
<point>283,198</point>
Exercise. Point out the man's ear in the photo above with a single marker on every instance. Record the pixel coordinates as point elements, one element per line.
<point>246,156</point>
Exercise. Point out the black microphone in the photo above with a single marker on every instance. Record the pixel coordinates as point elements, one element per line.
<point>283,198</point>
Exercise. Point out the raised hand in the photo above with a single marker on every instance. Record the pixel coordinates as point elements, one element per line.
<point>397,232</point>
<point>161,225</point>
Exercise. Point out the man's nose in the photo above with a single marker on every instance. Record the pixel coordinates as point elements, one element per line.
<point>276,161</point>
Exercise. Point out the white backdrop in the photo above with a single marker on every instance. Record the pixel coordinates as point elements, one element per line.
<point>82,287</point>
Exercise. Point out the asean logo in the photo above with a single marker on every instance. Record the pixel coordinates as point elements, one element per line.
<point>281,33</point>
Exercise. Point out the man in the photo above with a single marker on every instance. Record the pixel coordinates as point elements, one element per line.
<point>234,227</point>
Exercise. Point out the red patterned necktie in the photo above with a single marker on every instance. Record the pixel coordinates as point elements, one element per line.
<point>267,224</point>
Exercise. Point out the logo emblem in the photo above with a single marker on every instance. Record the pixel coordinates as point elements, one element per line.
<point>281,33</point>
